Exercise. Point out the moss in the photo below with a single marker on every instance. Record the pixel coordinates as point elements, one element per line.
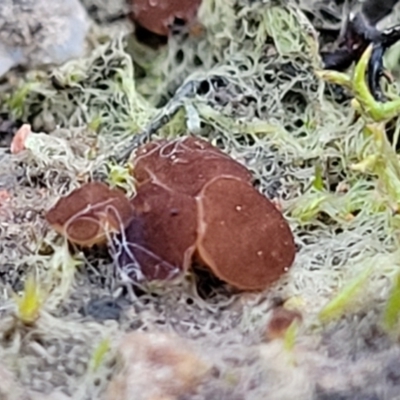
<point>260,98</point>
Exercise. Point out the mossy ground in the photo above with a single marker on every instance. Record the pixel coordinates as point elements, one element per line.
<point>259,99</point>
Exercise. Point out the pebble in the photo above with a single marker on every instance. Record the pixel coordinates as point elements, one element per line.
<point>34,33</point>
<point>105,308</point>
<point>156,366</point>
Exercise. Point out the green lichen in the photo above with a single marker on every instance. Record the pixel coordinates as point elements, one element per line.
<point>264,100</point>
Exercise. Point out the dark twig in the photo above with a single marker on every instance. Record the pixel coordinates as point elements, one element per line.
<point>186,91</point>
<point>359,33</point>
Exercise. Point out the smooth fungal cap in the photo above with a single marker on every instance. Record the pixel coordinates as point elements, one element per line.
<point>159,242</point>
<point>157,16</point>
<point>89,213</point>
<point>242,238</point>
<point>185,165</point>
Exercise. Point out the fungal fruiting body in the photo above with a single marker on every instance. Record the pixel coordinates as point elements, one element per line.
<point>184,165</point>
<point>194,199</point>
<point>158,16</point>
<point>89,214</point>
<point>160,240</point>
<point>242,237</point>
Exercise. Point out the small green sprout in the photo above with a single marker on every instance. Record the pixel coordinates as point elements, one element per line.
<point>95,123</point>
<point>336,78</point>
<point>30,302</point>
<point>289,340</point>
<point>121,176</point>
<point>392,310</point>
<point>342,301</point>
<point>63,266</point>
<point>99,354</point>
<point>364,101</point>
<point>384,163</point>
<point>309,206</point>
<point>318,182</point>
<point>375,110</point>
<point>17,100</point>
<point>368,164</point>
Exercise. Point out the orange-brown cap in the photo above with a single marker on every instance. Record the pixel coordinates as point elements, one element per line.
<point>185,165</point>
<point>243,238</point>
<point>89,213</point>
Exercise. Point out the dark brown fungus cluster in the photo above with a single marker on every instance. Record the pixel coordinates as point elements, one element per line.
<point>192,201</point>
<point>195,200</point>
<point>157,16</point>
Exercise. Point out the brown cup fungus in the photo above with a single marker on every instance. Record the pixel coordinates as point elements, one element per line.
<point>160,240</point>
<point>192,199</point>
<point>238,233</point>
<point>157,16</point>
<point>89,214</point>
<point>184,165</point>
<point>242,237</point>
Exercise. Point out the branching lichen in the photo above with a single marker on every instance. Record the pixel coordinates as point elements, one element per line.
<point>262,100</point>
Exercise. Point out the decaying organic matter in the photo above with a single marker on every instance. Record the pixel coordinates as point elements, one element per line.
<point>361,31</point>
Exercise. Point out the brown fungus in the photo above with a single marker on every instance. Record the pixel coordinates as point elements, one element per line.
<point>185,165</point>
<point>242,237</point>
<point>88,214</point>
<point>158,16</point>
<point>159,242</point>
<point>280,321</point>
<point>191,198</point>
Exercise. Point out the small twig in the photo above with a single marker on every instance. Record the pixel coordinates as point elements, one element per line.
<point>187,90</point>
